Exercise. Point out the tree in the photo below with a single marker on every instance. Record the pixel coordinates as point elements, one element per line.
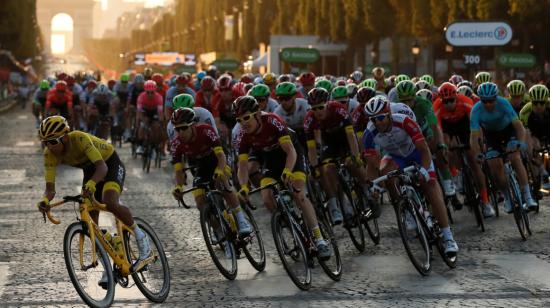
<point>380,20</point>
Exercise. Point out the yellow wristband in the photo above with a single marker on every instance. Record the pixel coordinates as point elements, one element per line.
<point>178,166</point>
<point>349,129</point>
<point>311,143</point>
<point>284,139</point>
<point>218,150</point>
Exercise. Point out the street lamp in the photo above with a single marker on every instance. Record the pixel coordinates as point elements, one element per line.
<point>415,50</point>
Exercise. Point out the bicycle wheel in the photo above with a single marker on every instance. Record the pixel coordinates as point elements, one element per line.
<point>254,245</point>
<point>472,198</point>
<point>85,279</point>
<point>153,280</point>
<point>221,249</point>
<point>414,237</point>
<point>291,251</point>
<point>371,224</point>
<point>332,266</point>
<point>353,225</point>
<point>521,218</point>
<point>492,190</point>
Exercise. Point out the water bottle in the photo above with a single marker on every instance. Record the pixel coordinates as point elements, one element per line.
<point>107,236</point>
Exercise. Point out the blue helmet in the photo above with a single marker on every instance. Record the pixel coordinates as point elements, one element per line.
<point>200,75</point>
<point>487,91</point>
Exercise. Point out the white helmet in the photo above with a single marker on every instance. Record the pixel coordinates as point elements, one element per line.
<point>465,90</point>
<point>376,105</point>
<point>422,84</point>
<point>425,94</point>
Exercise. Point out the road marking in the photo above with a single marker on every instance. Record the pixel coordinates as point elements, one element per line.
<point>137,172</point>
<point>22,117</point>
<point>528,266</point>
<point>12,176</point>
<point>24,143</point>
<point>4,272</point>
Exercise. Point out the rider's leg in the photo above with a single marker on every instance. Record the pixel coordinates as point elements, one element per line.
<point>441,163</point>
<point>254,172</point>
<point>517,164</point>
<point>329,182</point>
<point>267,194</point>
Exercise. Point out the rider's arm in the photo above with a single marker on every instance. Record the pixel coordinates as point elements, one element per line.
<point>525,113</point>
<point>520,130</point>
<point>312,152</point>
<point>50,164</point>
<point>475,129</point>
<point>242,172</point>
<point>93,154</point>
<point>425,154</point>
<point>220,155</point>
<point>475,140</point>
<point>288,148</point>
<point>352,140</point>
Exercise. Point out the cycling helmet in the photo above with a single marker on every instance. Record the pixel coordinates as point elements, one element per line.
<point>245,104</point>
<point>212,71</point>
<point>286,88</point>
<point>356,76</point>
<point>482,77</point>
<point>147,73</point>
<point>247,78</point>
<point>456,79</point>
<point>183,101</point>
<point>425,94</point>
<point>465,83</point>
<point>378,72</point>
<point>61,86</point>
<point>102,89</point>
<point>258,80</point>
<point>339,92</point>
<point>402,77</point>
<point>325,84</point>
<point>139,78</point>
<point>111,83</point>
<point>447,90</point>
<point>208,83</point>
<point>422,84</point>
<point>201,75</point>
<point>369,83</point>
<point>269,78</point>
<point>516,88</point>
<point>238,89</point>
<point>405,90</point>
<point>61,76</point>
<point>307,79</point>
<point>538,93</point>
<point>352,89</point>
<point>53,127</point>
<point>317,96</point>
<point>158,79</point>
<point>183,117</point>
<point>91,84</point>
<point>465,90</point>
<point>44,85</point>
<point>283,78</point>
<point>428,78</point>
<point>150,85</point>
<point>181,80</point>
<point>487,91</point>
<point>364,94</point>
<point>124,77</point>
<point>225,82</point>
<point>377,105</point>
<point>70,80</point>
<point>260,90</point>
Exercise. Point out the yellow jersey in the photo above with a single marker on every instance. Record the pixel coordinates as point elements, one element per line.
<point>84,151</point>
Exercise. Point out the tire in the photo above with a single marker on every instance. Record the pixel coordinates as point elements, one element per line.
<point>492,191</point>
<point>160,266</point>
<point>292,253</point>
<point>255,256</point>
<point>371,225</point>
<point>226,266</point>
<point>522,221</point>
<point>332,266</point>
<point>78,230</point>
<point>420,253</point>
<point>355,226</point>
<point>472,198</point>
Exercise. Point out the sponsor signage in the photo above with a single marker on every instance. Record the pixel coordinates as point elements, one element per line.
<point>226,64</point>
<point>300,55</point>
<point>472,59</point>
<point>517,60</point>
<point>169,58</point>
<point>494,33</point>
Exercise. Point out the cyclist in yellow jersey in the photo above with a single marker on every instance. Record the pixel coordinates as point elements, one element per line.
<point>104,174</point>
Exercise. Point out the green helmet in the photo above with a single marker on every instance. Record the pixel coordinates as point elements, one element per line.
<point>402,77</point>
<point>428,78</point>
<point>339,92</point>
<point>516,88</point>
<point>183,101</point>
<point>260,90</point>
<point>368,83</point>
<point>44,85</point>
<point>285,89</point>
<point>124,77</point>
<point>325,84</point>
<point>538,93</point>
<point>482,77</point>
<point>405,90</point>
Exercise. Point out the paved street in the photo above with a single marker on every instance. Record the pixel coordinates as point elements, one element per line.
<point>495,268</point>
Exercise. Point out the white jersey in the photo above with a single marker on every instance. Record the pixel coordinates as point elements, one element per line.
<point>352,104</point>
<point>203,116</point>
<point>294,120</point>
<point>402,109</point>
<point>271,105</point>
<point>392,95</point>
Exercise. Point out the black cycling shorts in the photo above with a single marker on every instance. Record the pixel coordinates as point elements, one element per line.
<point>460,129</point>
<point>204,169</point>
<point>274,162</point>
<point>497,141</point>
<point>114,179</point>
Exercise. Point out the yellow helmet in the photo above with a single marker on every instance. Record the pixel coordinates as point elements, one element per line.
<point>53,127</point>
<point>269,78</point>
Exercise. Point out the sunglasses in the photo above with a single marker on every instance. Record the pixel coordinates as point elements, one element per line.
<point>284,98</point>
<point>245,118</point>
<point>261,99</point>
<point>378,118</point>
<point>448,101</point>
<point>182,128</point>
<point>488,101</point>
<point>319,107</point>
<point>55,141</point>
<point>539,103</point>
<point>150,92</point>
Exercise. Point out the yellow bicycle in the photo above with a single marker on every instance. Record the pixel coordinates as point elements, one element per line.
<point>87,257</point>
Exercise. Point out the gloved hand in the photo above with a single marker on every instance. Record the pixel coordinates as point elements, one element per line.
<point>425,174</point>
<point>219,174</point>
<point>243,192</point>
<point>287,176</point>
<point>177,192</point>
<point>44,205</point>
<point>89,188</point>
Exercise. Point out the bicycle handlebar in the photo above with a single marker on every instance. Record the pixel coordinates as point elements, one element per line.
<point>76,198</point>
<point>392,174</point>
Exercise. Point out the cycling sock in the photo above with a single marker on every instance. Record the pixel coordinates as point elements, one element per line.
<point>447,234</point>
<point>137,231</point>
<point>445,174</point>
<point>484,196</point>
<point>238,213</point>
<point>316,231</point>
<point>454,171</point>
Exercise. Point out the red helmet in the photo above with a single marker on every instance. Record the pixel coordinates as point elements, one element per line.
<point>341,83</point>
<point>208,83</point>
<point>247,78</point>
<point>182,80</point>
<point>91,84</point>
<point>447,91</point>
<point>238,89</point>
<point>158,79</point>
<point>61,76</point>
<point>224,82</point>
<point>61,86</point>
<point>111,83</point>
<point>307,79</point>
<point>70,80</point>
<point>150,86</point>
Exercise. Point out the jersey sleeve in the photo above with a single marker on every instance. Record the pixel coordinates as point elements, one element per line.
<point>412,129</point>
<point>475,124</point>
<point>86,145</point>
<point>309,125</point>
<point>216,99</point>
<point>510,112</point>
<point>243,145</point>
<point>50,164</point>
<point>525,113</point>
<point>368,143</point>
<point>175,151</point>
<point>428,111</point>
<point>212,136</point>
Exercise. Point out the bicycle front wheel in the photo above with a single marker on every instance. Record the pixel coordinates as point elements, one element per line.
<point>520,214</point>
<point>86,276</point>
<point>254,245</point>
<point>332,266</point>
<point>291,250</point>
<point>354,225</point>
<point>153,280</point>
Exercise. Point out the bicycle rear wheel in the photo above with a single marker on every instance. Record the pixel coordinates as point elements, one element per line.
<point>414,237</point>
<point>215,232</point>
<point>291,251</point>
<point>472,198</point>
<point>85,279</point>
<point>254,245</point>
<point>332,266</point>
<point>353,225</point>
<point>370,223</point>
